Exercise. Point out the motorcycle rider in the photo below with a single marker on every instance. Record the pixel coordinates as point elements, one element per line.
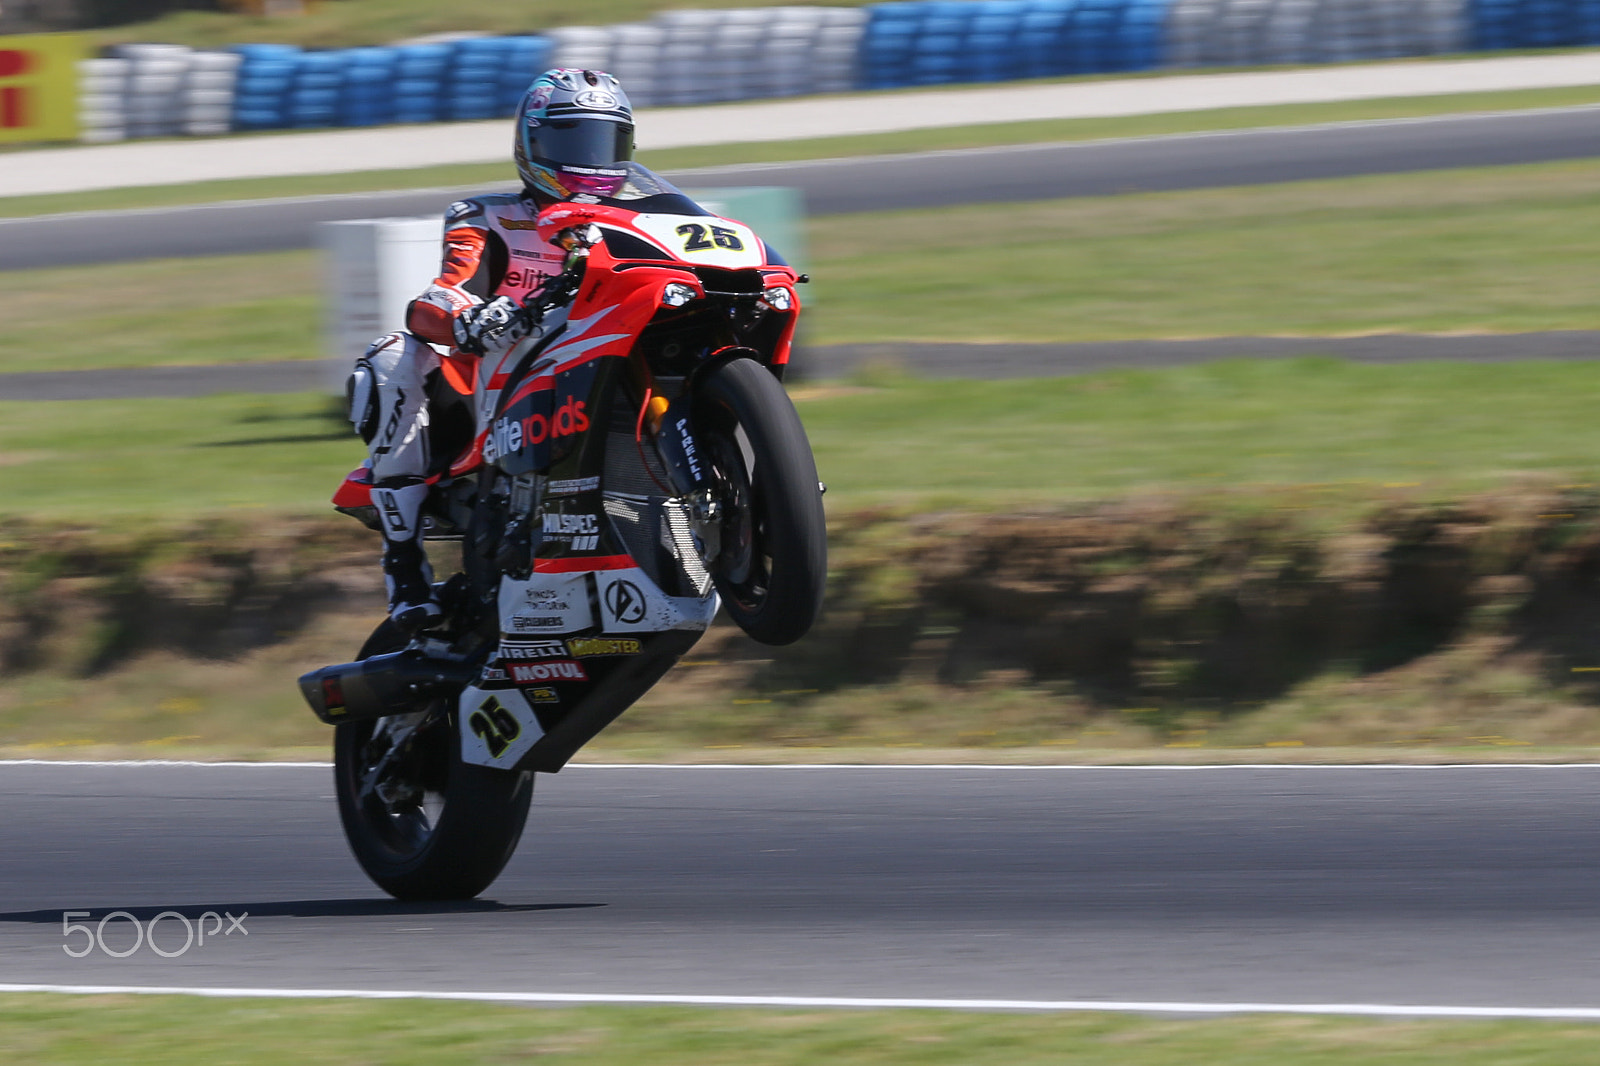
<point>574,137</point>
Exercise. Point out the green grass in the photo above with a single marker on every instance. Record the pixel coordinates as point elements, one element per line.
<point>1494,250</point>
<point>225,309</point>
<point>110,458</point>
<point>1003,133</point>
<point>65,1031</point>
<point>1497,250</point>
<point>1318,428</point>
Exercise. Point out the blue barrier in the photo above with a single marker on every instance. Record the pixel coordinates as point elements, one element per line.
<point>902,43</point>
<point>930,42</point>
<point>1501,24</point>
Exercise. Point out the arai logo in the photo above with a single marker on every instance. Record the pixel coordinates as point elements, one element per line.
<point>598,99</point>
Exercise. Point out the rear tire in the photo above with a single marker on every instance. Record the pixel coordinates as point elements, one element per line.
<point>427,826</point>
<point>773,558</point>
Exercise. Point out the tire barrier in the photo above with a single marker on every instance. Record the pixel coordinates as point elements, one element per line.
<point>701,57</point>
<point>1265,32</point>
<point>705,57</point>
<point>1498,24</point>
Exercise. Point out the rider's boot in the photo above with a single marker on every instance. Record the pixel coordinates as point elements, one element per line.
<point>406,572</point>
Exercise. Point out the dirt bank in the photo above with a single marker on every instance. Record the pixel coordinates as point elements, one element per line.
<point>1468,623</point>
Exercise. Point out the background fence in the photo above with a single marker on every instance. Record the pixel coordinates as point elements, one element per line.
<point>699,57</point>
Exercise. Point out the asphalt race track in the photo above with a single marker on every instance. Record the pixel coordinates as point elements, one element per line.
<point>1457,887</point>
<point>988,175</point>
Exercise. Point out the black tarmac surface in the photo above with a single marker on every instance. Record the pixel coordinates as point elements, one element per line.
<point>1471,886</point>
<point>841,186</point>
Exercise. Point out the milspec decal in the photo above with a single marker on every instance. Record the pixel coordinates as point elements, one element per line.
<point>581,532</point>
<point>541,695</point>
<point>555,670</point>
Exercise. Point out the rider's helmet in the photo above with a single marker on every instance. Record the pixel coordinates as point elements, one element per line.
<point>574,134</point>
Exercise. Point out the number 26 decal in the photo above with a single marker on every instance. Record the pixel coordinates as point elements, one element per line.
<point>696,239</point>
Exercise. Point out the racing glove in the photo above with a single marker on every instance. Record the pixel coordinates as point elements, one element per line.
<point>491,328</point>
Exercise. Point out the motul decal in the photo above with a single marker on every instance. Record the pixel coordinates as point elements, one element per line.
<point>558,670</point>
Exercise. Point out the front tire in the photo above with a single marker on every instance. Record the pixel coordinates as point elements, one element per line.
<point>772,561</point>
<point>423,824</point>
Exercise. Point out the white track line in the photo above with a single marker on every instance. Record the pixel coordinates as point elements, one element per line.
<point>1379,1010</point>
<point>947,767</point>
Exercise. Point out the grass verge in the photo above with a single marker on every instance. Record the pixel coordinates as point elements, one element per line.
<point>167,312</point>
<point>159,1029</point>
<point>1493,250</point>
<point>673,159</point>
<point>1319,436</point>
<point>1496,250</point>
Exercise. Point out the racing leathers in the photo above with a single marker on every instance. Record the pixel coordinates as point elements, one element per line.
<point>494,259</point>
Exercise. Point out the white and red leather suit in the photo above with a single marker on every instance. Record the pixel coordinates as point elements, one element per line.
<point>492,247</point>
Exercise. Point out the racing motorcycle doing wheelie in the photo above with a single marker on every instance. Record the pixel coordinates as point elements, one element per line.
<point>630,464</point>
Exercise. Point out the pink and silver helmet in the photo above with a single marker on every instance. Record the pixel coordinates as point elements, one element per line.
<point>574,134</point>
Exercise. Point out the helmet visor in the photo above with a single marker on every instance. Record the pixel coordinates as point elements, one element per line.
<point>581,142</point>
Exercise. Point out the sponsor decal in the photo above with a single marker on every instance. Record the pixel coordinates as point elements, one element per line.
<point>510,435</point>
<point>581,532</point>
<point>588,647</point>
<point>496,726</point>
<point>598,99</point>
<point>393,520</point>
<point>626,602</point>
<point>541,695</point>
<point>333,695</point>
<point>571,523</point>
<point>460,211</point>
<point>556,670</point>
<point>526,278</point>
<point>571,486</point>
<point>534,649</point>
<point>523,623</point>
<point>493,673</point>
<point>688,450</point>
<point>517,223</point>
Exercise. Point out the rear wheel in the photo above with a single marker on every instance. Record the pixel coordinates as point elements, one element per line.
<point>772,559</point>
<point>423,824</point>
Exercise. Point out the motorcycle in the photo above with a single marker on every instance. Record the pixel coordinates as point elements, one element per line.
<point>629,466</point>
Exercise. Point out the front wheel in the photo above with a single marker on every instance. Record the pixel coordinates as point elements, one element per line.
<point>772,559</point>
<point>423,824</point>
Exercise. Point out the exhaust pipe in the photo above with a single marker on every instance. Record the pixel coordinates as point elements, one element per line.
<point>397,683</point>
